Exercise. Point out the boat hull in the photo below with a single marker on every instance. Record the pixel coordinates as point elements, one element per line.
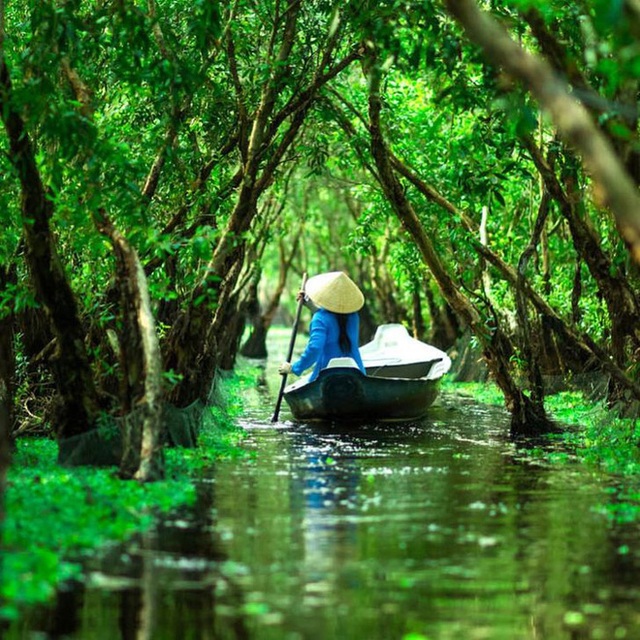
<point>345,394</point>
<point>410,370</point>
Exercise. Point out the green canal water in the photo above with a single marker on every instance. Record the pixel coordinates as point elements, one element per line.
<point>439,529</point>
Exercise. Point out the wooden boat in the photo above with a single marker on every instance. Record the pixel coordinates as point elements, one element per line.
<point>402,381</point>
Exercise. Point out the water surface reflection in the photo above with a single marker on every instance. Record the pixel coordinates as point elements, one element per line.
<point>437,528</point>
<point>440,529</point>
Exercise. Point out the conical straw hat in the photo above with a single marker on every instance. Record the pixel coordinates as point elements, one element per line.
<point>335,291</point>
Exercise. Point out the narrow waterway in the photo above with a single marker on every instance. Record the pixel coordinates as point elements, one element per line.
<point>439,529</point>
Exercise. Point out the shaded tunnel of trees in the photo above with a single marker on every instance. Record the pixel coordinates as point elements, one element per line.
<point>169,170</point>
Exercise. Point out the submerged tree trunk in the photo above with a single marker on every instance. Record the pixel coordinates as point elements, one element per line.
<point>78,404</point>
<point>527,416</point>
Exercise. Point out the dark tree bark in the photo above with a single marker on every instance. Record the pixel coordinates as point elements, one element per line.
<point>7,371</point>
<point>192,346</point>
<point>579,352</point>
<point>70,364</point>
<point>138,349</point>
<point>621,300</point>
<point>256,344</point>
<point>418,324</point>
<point>229,320</point>
<point>7,364</point>
<point>530,354</point>
<point>576,293</point>
<point>445,326</point>
<point>527,416</point>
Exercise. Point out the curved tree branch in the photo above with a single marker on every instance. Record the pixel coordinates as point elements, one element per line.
<point>571,119</point>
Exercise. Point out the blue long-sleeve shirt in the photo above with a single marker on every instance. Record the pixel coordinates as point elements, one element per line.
<point>324,342</point>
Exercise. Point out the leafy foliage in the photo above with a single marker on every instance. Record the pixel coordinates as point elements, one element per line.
<point>58,516</point>
<point>153,113</point>
<point>78,511</point>
<point>146,111</point>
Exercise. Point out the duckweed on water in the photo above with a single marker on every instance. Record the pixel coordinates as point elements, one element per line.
<point>487,393</point>
<point>57,516</point>
<point>597,434</point>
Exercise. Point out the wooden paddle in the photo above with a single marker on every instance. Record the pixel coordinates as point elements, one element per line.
<point>292,343</point>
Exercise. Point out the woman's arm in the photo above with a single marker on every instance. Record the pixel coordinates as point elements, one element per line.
<point>315,346</point>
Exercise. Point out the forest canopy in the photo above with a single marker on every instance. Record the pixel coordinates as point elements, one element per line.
<point>170,168</point>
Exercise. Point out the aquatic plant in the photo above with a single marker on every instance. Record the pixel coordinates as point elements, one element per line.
<point>58,516</point>
<point>484,392</point>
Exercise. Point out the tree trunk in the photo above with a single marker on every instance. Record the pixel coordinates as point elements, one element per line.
<point>228,341</point>
<point>7,372</point>
<point>256,344</point>
<point>192,343</point>
<point>530,354</point>
<point>622,303</point>
<point>576,293</point>
<point>140,362</point>
<point>572,120</point>
<point>418,326</point>
<point>193,339</point>
<point>527,417</point>
<point>70,364</point>
<point>445,327</point>
<point>580,353</point>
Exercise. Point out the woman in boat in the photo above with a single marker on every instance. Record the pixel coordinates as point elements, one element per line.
<point>335,326</point>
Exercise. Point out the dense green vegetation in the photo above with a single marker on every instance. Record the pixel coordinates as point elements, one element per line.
<point>170,167</point>
<point>85,511</point>
<point>78,511</point>
<point>168,170</point>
